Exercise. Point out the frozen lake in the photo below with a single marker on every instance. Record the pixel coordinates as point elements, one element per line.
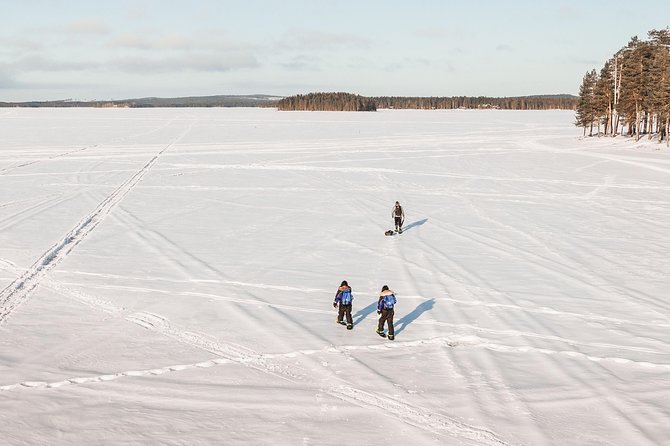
<point>167,277</point>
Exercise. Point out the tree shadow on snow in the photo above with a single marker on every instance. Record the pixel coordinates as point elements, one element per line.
<point>364,312</point>
<point>416,223</point>
<point>407,319</point>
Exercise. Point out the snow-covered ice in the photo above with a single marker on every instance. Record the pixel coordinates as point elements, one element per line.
<point>167,277</point>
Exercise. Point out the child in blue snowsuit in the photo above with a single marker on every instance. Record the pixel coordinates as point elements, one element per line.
<point>344,298</point>
<point>385,307</point>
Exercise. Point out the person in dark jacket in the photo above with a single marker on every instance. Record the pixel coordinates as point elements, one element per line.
<point>385,308</point>
<point>344,299</point>
<point>398,217</point>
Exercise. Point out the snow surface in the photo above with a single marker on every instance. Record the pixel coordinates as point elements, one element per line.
<point>167,277</point>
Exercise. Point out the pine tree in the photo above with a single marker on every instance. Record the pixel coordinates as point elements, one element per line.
<point>632,85</point>
<point>661,97</point>
<point>586,107</point>
<point>660,39</point>
<point>633,89</point>
<point>603,97</point>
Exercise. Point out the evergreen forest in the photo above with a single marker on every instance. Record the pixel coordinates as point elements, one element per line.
<point>631,93</point>
<point>327,102</point>
<point>352,102</point>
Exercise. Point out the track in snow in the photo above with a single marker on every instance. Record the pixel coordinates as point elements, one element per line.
<point>421,418</point>
<point>18,291</point>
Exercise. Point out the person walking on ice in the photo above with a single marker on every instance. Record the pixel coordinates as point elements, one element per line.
<point>398,217</point>
<point>385,307</point>
<point>344,298</point>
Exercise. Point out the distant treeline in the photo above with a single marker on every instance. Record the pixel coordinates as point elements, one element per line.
<point>631,94</point>
<point>190,101</point>
<point>351,102</point>
<point>540,102</point>
<point>327,102</point>
<point>65,103</point>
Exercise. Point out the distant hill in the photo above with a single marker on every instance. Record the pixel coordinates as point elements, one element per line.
<point>259,100</point>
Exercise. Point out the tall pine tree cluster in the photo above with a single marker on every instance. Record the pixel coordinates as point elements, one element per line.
<point>631,94</point>
<point>327,102</point>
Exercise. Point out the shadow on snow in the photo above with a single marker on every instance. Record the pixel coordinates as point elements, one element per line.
<point>364,312</point>
<point>416,223</point>
<point>407,319</point>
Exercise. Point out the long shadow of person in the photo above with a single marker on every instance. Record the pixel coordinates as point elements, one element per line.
<point>407,319</point>
<point>364,312</point>
<point>413,224</point>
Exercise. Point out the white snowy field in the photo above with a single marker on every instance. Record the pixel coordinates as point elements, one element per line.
<point>167,277</point>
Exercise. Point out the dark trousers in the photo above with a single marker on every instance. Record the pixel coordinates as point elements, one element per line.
<point>345,310</point>
<point>398,222</point>
<point>387,316</point>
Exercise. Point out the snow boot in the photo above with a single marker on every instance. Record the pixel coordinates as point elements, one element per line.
<point>350,326</point>
<point>391,337</point>
<point>381,333</point>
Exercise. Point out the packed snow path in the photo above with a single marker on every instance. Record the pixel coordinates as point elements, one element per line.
<point>167,276</point>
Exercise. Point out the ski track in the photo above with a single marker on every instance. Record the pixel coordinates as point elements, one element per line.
<point>500,394</point>
<point>353,170</point>
<point>563,272</point>
<point>262,286</point>
<point>418,417</point>
<point>71,152</point>
<point>30,163</point>
<point>228,354</point>
<point>516,333</point>
<point>554,260</point>
<point>85,298</point>
<point>554,359</point>
<point>29,200</point>
<point>163,246</point>
<point>44,204</point>
<point>300,309</point>
<point>18,291</point>
<point>480,402</point>
<point>473,290</point>
<point>634,161</point>
<point>618,404</point>
<point>493,197</point>
<point>153,321</point>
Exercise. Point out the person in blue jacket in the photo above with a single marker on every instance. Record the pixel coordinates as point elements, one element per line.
<point>385,308</point>
<point>344,299</point>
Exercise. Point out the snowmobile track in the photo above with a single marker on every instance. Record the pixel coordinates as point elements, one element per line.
<point>17,292</point>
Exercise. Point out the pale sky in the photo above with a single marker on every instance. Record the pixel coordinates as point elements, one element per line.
<point>116,49</point>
